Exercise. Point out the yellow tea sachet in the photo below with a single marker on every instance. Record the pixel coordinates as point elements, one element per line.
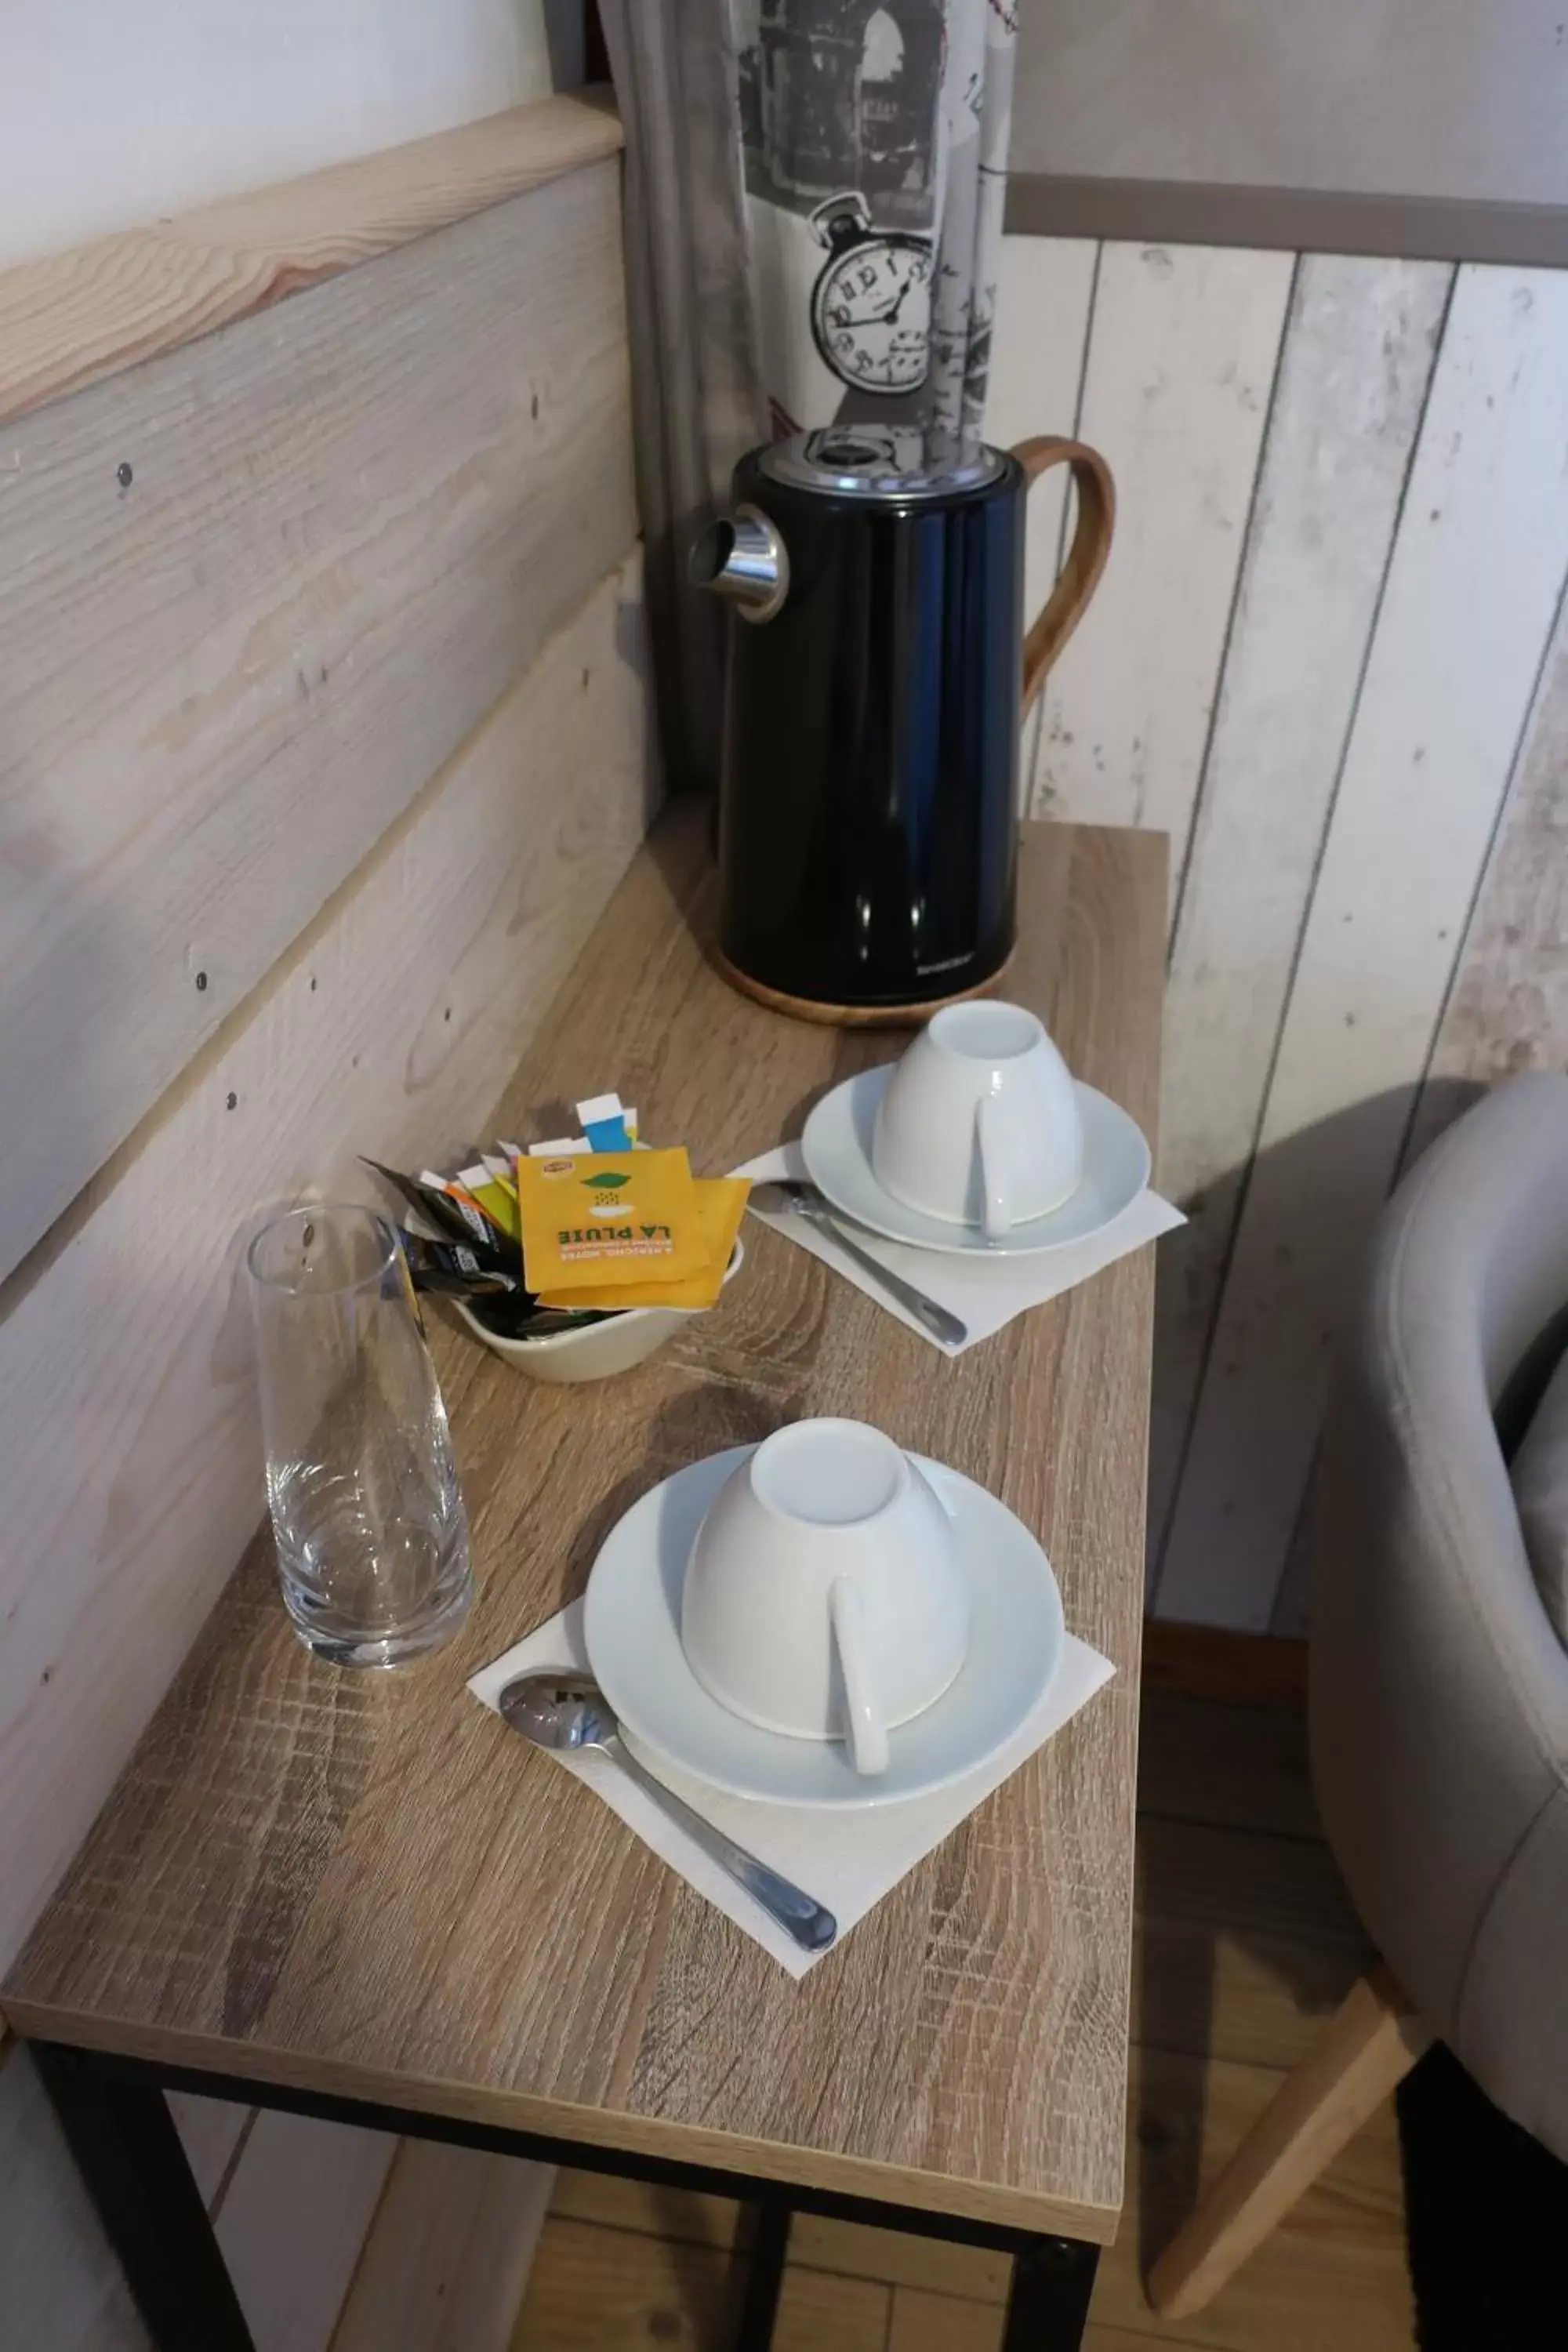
<point>608,1216</point>
<point>720,1205</point>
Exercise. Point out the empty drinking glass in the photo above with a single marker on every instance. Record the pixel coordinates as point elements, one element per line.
<point>372,1539</point>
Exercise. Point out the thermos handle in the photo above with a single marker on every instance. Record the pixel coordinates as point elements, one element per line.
<point>1085,559</point>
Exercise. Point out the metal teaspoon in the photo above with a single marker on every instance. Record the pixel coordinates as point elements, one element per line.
<point>561,1711</point>
<point>794,1200</point>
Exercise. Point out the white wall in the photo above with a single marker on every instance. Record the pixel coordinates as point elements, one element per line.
<point>112,115</point>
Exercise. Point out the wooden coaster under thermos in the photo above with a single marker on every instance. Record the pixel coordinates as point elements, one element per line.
<point>876,689</point>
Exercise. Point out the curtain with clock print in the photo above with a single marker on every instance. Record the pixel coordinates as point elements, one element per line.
<point>813,217</point>
<point>874,143</point>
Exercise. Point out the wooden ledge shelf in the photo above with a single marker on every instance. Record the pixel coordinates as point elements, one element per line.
<point>75,317</point>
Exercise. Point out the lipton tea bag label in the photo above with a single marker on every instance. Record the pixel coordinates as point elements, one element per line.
<point>721,1203</point>
<point>593,1217</point>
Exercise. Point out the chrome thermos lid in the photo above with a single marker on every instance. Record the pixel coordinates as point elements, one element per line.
<point>745,557</point>
<point>896,462</point>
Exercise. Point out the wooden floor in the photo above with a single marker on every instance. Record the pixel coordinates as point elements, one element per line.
<point>1245,1941</point>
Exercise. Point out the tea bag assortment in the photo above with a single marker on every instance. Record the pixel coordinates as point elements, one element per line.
<point>572,1229</point>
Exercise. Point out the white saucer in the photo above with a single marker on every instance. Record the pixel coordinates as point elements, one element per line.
<point>837,1148</point>
<point>632,1626</point>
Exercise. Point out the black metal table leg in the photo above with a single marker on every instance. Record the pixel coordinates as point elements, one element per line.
<point>130,2156</point>
<point>764,2279</point>
<point>113,2110</point>
<point>1053,2280</point>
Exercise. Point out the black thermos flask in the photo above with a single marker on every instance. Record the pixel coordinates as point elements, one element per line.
<point>878,677</point>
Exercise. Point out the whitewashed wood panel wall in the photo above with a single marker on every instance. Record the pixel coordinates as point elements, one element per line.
<point>1329,659</point>
<point>379,944</point>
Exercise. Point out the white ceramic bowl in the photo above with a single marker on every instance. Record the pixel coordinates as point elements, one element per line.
<point>598,1349</point>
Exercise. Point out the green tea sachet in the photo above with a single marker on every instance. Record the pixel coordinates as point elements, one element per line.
<point>496,1196</point>
<point>608,1216</point>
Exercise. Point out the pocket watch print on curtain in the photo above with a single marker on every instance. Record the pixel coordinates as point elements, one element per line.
<point>870,307</point>
<point>856,117</point>
<point>839,104</point>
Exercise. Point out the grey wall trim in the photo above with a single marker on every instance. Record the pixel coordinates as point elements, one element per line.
<point>1297,220</point>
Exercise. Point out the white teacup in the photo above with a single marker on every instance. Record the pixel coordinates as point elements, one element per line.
<point>824,1597</point>
<point>979,1124</point>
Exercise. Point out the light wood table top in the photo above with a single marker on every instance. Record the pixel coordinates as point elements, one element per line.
<point>366,1886</point>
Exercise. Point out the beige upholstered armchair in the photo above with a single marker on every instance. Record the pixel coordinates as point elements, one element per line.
<point>1439,1675</point>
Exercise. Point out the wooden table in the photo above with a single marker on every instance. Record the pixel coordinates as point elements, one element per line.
<point>360,1897</point>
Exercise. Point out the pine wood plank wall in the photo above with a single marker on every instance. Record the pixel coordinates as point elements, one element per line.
<point>1330,658</point>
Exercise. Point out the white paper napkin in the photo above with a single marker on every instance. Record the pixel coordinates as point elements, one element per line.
<point>984,1293</point>
<point>846,1860</point>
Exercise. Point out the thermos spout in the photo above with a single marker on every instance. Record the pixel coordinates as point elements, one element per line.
<point>743,557</point>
